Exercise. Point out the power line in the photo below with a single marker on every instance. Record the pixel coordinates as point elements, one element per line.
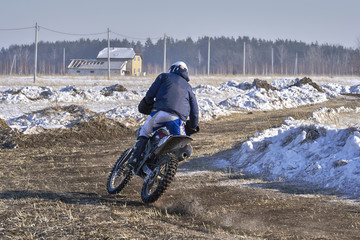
<point>73,34</point>
<point>15,29</point>
<point>79,34</point>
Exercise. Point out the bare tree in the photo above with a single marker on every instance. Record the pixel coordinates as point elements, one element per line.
<point>313,58</point>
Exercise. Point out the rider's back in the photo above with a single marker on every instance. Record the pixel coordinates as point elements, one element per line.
<point>174,94</point>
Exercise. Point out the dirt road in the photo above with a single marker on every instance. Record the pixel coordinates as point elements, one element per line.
<point>53,186</point>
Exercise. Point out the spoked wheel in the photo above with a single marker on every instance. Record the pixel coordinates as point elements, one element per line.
<point>164,173</point>
<point>121,174</point>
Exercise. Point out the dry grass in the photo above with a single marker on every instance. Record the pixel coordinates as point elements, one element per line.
<point>54,188</point>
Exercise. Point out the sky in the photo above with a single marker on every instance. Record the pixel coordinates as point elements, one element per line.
<point>324,21</point>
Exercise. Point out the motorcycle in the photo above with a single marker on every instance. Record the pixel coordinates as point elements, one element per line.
<point>158,166</point>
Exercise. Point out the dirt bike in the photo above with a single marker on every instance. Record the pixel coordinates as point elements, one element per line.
<point>157,168</point>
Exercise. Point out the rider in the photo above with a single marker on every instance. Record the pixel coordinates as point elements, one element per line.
<point>170,101</point>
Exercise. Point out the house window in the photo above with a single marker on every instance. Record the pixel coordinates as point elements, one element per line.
<point>91,71</point>
<point>78,71</point>
<point>138,58</point>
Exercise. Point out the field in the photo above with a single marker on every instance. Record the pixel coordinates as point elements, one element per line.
<point>53,187</point>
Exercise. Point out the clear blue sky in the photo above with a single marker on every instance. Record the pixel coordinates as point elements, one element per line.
<point>324,21</point>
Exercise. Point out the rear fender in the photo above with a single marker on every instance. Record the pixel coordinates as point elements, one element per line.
<point>177,144</point>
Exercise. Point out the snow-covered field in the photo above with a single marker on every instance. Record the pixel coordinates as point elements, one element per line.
<point>323,151</point>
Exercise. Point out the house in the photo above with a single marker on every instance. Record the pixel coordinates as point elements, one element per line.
<point>122,61</point>
<point>96,67</point>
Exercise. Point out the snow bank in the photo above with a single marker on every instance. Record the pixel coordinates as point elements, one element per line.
<point>314,155</point>
<point>337,118</point>
<point>118,103</point>
<point>53,117</point>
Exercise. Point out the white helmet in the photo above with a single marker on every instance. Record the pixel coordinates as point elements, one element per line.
<point>177,66</point>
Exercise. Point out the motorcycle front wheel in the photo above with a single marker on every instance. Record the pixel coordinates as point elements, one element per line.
<point>164,173</point>
<point>121,174</point>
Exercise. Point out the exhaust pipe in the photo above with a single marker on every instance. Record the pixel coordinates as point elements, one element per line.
<point>183,156</point>
<point>184,153</point>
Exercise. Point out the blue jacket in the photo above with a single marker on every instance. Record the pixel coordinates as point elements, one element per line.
<point>174,94</point>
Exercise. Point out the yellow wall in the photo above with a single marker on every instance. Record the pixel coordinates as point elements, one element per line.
<point>136,65</point>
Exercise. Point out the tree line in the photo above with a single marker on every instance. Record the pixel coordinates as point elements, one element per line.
<point>262,57</point>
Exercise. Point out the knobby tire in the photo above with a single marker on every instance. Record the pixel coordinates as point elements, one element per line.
<point>121,171</point>
<point>168,164</point>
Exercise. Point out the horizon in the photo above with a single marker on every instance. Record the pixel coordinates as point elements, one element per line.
<point>176,40</point>
<point>323,22</point>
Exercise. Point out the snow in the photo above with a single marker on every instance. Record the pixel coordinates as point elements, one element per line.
<point>322,151</point>
<point>320,156</point>
<point>22,105</point>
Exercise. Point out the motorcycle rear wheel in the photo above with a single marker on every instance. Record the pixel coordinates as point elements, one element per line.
<point>165,171</point>
<point>121,174</point>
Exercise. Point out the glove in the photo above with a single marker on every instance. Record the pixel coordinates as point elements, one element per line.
<point>189,131</point>
<point>144,107</point>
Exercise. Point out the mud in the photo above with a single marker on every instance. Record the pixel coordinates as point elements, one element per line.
<point>53,186</point>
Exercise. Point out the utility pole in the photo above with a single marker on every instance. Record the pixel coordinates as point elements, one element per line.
<point>13,65</point>
<point>244,61</point>
<point>36,41</point>
<point>296,65</point>
<point>108,30</point>
<point>272,60</point>
<point>64,67</point>
<point>199,58</point>
<point>208,68</point>
<point>164,65</point>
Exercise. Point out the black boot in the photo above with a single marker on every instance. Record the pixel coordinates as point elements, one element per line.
<point>138,150</point>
